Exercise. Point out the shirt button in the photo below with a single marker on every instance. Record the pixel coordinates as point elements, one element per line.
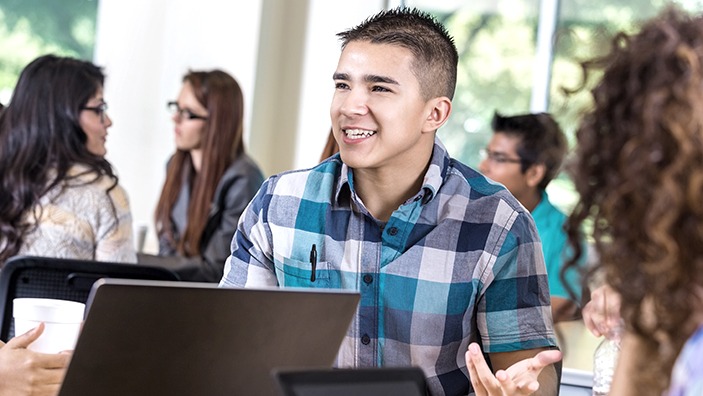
<point>392,231</point>
<point>365,339</point>
<point>368,279</point>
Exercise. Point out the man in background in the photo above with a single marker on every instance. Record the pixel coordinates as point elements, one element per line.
<point>525,154</point>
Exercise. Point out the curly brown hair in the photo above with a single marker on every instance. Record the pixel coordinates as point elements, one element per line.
<point>639,172</point>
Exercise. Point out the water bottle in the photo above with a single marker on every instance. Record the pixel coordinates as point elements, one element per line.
<point>604,360</point>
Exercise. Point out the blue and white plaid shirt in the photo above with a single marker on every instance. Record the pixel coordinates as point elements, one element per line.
<point>459,262</point>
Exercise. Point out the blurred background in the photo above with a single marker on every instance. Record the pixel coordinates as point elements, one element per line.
<point>516,56</point>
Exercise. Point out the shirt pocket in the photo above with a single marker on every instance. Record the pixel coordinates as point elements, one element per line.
<point>294,273</point>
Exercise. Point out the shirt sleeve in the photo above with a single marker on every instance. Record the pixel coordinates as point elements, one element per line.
<point>687,375</point>
<point>514,311</point>
<point>251,262</point>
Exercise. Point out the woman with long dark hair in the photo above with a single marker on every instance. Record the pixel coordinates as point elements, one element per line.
<point>59,196</point>
<point>210,179</point>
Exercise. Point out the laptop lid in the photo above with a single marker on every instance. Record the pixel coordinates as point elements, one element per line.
<point>177,338</point>
<point>392,381</point>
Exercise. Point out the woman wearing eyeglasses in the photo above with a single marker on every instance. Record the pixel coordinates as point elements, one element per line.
<point>209,179</point>
<point>59,196</point>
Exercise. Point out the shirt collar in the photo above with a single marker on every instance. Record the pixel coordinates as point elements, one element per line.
<point>434,177</point>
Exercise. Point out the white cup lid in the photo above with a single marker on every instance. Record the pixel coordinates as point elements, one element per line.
<point>48,310</point>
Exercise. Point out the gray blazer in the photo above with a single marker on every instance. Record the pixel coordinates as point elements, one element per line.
<point>238,185</point>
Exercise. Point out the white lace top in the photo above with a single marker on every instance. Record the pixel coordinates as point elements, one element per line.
<point>77,219</point>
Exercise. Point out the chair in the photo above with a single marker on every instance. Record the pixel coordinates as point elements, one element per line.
<point>65,279</point>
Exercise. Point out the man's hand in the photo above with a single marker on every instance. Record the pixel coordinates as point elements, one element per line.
<point>24,372</point>
<point>518,379</point>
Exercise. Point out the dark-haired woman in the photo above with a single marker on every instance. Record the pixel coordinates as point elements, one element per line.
<point>210,179</point>
<point>59,196</point>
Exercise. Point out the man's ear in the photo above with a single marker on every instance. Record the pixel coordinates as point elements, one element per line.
<point>535,173</point>
<point>438,113</point>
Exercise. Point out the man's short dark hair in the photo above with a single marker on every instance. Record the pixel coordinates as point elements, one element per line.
<point>541,141</point>
<point>427,39</point>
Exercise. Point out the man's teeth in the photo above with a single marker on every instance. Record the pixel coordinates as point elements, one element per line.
<point>358,133</point>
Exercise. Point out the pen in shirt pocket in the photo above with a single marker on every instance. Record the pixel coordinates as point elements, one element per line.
<point>313,262</point>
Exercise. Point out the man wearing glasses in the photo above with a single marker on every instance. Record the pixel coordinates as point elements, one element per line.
<point>525,154</point>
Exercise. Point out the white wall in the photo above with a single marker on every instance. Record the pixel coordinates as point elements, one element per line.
<point>282,52</point>
<point>146,47</point>
<point>325,20</point>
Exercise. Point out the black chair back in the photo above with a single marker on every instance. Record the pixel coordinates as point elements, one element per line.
<point>64,279</point>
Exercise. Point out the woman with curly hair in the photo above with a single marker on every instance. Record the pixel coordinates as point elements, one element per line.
<point>59,196</point>
<point>639,173</point>
<point>210,179</point>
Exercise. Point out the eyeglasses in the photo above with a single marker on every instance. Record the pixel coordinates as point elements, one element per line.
<point>498,157</point>
<point>99,110</point>
<point>183,114</point>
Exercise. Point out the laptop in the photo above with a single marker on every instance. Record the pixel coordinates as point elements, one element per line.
<point>178,338</point>
<point>386,381</point>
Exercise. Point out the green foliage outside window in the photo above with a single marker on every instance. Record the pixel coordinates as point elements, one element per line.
<point>30,28</point>
<point>497,43</point>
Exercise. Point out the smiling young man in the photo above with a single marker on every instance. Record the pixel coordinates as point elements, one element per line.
<point>441,257</point>
<point>525,154</point>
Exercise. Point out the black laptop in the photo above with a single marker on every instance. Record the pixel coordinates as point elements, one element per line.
<point>386,381</point>
<point>177,338</point>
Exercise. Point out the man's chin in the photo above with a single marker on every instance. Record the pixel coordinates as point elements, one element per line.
<point>353,160</point>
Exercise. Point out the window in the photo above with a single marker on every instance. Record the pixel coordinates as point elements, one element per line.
<point>499,64</point>
<point>30,28</point>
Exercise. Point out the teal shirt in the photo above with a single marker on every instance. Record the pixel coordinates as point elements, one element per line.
<point>555,245</point>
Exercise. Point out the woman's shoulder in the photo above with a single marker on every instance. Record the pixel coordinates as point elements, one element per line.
<point>242,178</point>
<point>687,375</point>
<point>83,180</point>
<point>243,168</point>
<point>243,164</point>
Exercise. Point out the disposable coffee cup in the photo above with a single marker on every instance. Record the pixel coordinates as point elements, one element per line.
<point>62,322</point>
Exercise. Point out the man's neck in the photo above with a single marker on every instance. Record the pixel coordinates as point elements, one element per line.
<point>383,190</point>
<point>531,199</point>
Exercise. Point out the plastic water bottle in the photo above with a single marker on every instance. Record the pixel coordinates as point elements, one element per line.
<point>604,360</point>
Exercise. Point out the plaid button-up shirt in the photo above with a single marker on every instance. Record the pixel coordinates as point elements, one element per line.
<point>459,262</point>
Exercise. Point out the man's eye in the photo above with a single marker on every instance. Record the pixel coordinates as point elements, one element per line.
<point>341,85</point>
<point>378,88</point>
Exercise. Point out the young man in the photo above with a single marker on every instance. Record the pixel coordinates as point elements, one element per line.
<point>525,154</point>
<point>440,256</point>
